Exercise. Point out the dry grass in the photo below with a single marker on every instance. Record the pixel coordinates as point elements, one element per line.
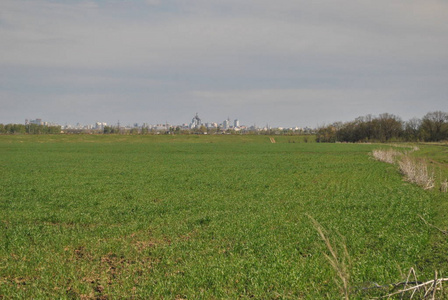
<point>410,148</point>
<point>430,225</point>
<point>338,262</point>
<point>431,289</point>
<point>416,171</point>
<point>444,186</point>
<point>388,156</point>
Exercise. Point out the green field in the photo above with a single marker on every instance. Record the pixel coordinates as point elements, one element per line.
<point>207,217</point>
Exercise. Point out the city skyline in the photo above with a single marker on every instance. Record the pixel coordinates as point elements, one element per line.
<point>196,123</point>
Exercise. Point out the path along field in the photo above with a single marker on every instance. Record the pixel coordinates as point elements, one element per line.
<point>205,217</point>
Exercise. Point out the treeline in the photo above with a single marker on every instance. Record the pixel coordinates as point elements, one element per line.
<point>28,129</point>
<point>386,127</point>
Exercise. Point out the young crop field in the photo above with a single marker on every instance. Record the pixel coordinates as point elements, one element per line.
<point>209,217</point>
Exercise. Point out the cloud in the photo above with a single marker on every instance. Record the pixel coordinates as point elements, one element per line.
<point>84,35</point>
<point>305,106</point>
<point>240,54</point>
<point>153,2</point>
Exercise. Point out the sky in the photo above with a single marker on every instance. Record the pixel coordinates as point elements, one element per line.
<point>283,63</point>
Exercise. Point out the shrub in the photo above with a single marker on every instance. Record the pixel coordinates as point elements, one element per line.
<point>416,171</point>
<point>387,156</point>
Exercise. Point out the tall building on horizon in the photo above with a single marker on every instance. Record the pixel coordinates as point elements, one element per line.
<point>195,122</point>
<point>226,124</point>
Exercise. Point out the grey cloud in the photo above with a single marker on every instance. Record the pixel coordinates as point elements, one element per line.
<point>174,57</point>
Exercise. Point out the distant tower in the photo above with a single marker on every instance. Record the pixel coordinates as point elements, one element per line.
<point>226,123</point>
<point>236,123</point>
<point>196,122</point>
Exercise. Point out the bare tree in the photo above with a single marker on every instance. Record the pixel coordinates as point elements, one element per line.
<point>412,129</point>
<point>435,126</point>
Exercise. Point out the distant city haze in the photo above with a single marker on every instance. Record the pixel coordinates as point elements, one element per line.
<point>196,125</point>
<point>286,63</point>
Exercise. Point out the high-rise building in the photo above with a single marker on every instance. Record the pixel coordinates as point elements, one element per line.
<point>36,121</point>
<point>100,125</point>
<point>236,123</point>
<point>226,124</point>
<point>195,122</point>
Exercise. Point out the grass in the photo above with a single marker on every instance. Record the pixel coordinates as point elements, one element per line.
<point>416,171</point>
<point>203,217</point>
<point>437,157</point>
<point>339,262</point>
<point>388,156</point>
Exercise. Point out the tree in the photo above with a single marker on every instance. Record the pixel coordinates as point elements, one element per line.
<point>203,129</point>
<point>435,126</point>
<point>390,126</point>
<point>412,129</point>
<point>326,134</point>
<point>110,129</point>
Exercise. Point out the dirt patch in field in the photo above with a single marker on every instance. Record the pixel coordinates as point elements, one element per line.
<point>81,253</point>
<point>99,275</point>
<point>142,241</point>
<point>189,235</point>
<point>20,283</point>
<point>102,274</point>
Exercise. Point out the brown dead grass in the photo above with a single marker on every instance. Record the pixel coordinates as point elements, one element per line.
<point>388,156</point>
<point>339,260</point>
<point>416,171</point>
<point>444,186</point>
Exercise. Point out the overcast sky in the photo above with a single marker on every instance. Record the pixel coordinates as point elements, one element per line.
<point>283,62</point>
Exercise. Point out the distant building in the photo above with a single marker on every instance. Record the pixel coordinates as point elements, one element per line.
<point>36,121</point>
<point>100,125</point>
<point>236,123</point>
<point>195,122</point>
<point>226,124</point>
